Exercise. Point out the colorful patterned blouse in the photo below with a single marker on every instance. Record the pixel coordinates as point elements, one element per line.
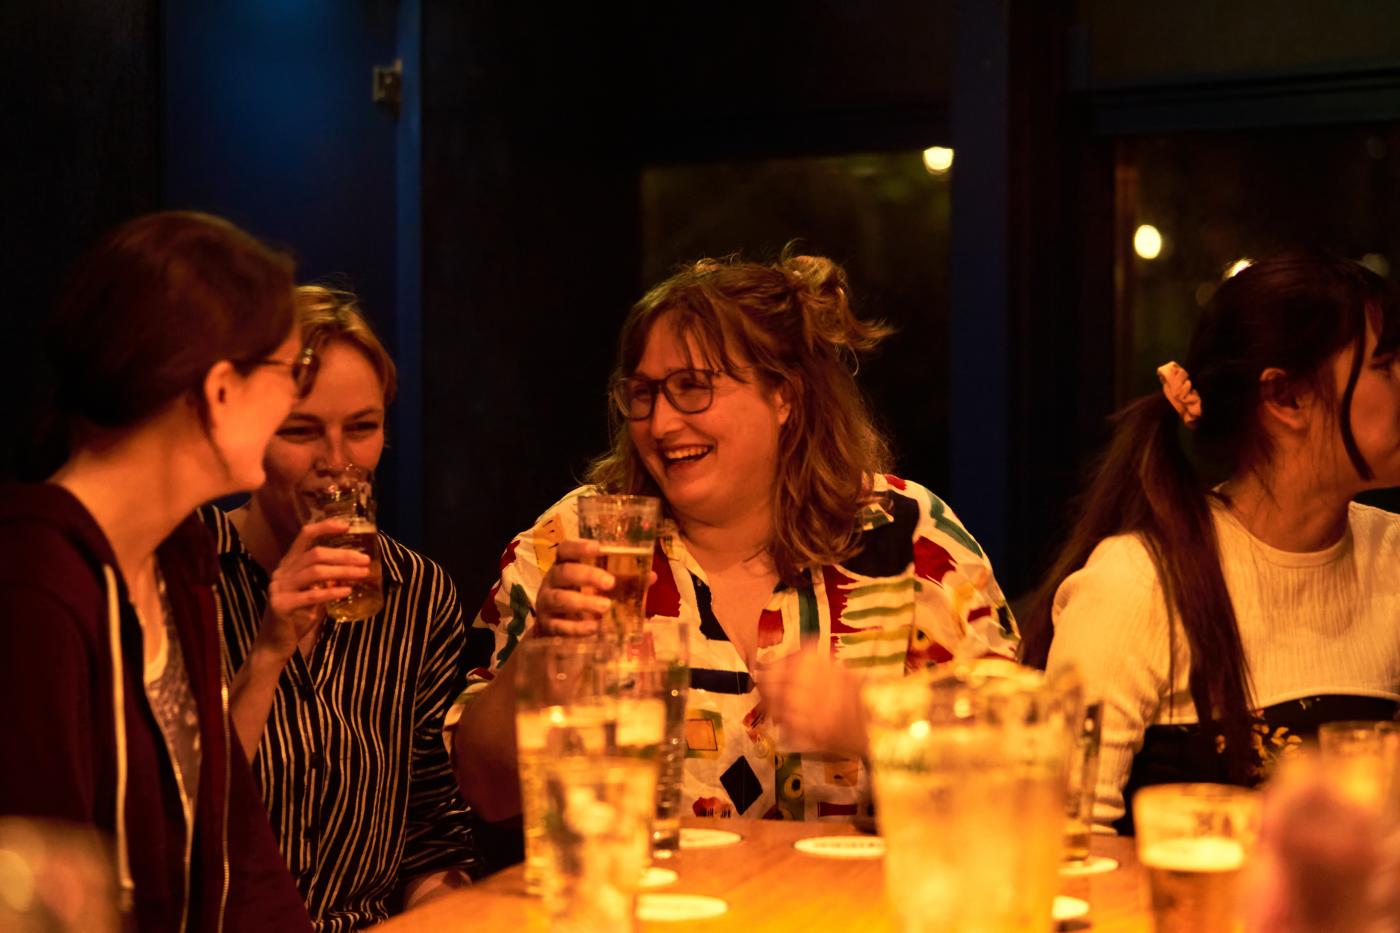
<point>920,591</point>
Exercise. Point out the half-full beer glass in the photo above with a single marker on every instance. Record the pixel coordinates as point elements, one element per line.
<point>347,493</point>
<point>1194,841</point>
<point>969,775</point>
<point>1362,761</point>
<point>625,527</point>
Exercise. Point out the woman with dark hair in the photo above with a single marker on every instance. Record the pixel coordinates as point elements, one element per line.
<point>734,401</point>
<point>342,721</point>
<point>1220,589</point>
<point>177,358</point>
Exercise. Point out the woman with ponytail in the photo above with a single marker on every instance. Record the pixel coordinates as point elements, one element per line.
<point>1220,590</point>
<point>734,401</point>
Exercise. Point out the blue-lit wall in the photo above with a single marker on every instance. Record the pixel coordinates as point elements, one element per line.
<point>268,121</point>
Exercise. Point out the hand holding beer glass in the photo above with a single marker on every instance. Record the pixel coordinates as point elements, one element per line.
<point>345,496</point>
<point>625,529</point>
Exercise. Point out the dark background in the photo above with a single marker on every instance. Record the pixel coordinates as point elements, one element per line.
<point>547,162</point>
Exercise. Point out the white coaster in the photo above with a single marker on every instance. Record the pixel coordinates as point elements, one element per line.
<point>658,877</point>
<point>1093,865</point>
<point>672,907</point>
<point>1068,908</point>
<point>707,838</point>
<point>842,846</point>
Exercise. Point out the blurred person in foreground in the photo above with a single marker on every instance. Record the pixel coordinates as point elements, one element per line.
<point>797,564</point>
<point>177,356</point>
<point>1221,589</point>
<point>343,721</point>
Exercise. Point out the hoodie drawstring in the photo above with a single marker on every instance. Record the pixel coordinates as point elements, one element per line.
<point>126,893</point>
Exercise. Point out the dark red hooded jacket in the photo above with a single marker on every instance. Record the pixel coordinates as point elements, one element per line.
<point>60,595</point>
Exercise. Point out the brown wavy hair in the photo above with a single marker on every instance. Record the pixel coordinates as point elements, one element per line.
<point>791,324</point>
<point>327,315</point>
<point>1295,312</point>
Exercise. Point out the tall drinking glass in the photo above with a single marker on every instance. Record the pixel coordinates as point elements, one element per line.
<point>597,811</point>
<point>562,710</point>
<point>652,677</point>
<point>347,493</point>
<point>1083,776</point>
<point>969,777</point>
<point>625,527</point>
<point>1194,840</point>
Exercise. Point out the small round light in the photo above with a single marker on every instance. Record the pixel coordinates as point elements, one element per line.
<point>938,159</point>
<point>1147,242</point>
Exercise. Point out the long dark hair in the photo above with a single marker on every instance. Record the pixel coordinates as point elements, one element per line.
<point>1157,479</point>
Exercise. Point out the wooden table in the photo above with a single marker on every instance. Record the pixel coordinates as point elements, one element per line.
<point>769,885</point>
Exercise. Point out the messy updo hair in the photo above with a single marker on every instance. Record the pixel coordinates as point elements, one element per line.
<point>790,325</point>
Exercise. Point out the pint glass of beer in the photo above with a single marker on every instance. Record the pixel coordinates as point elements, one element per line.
<point>1362,760</point>
<point>969,776</point>
<point>347,493</point>
<point>1194,841</point>
<point>625,527</point>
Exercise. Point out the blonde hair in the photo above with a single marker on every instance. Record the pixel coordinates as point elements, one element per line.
<point>791,323</point>
<point>327,315</point>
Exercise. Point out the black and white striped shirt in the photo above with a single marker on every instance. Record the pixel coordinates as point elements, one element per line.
<point>352,765</point>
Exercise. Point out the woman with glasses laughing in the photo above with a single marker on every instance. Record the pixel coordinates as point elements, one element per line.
<point>798,565</point>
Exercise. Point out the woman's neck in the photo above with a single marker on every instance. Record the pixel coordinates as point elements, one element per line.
<point>717,545</point>
<point>260,536</point>
<point>138,488</point>
<point>1288,513</point>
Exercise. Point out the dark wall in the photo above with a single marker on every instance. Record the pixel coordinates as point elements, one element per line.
<point>537,122</point>
<point>82,153</point>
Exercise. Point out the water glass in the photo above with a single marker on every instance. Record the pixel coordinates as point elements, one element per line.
<point>347,493</point>
<point>652,678</point>
<point>969,779</point>
<point>625,527</point>
<point>1083,778</point>
<point>563,710</point>
<point>597,814</point>
<point>1194,841</point>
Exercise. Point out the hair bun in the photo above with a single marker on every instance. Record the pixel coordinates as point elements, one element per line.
<point>822,295</point>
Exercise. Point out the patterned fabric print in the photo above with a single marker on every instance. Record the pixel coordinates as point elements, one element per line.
<point>919,592</point>
<point>357,783</point>
<point>172,704</point>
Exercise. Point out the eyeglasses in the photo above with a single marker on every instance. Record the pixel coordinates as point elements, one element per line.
<point>303,370</point>
<point>690,391</point>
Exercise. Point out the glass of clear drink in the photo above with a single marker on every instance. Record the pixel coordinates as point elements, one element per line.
<point>651,678</point>
<point>347,493</point>
<point>625,527</point>
<point>1194,841</point>
<point>1362,761</point>
<point>969,778</point>
<point>563,710</point>
<point>597,814</point>
<point>1083,776</point>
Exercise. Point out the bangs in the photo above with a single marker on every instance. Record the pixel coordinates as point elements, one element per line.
<point>703,325</point>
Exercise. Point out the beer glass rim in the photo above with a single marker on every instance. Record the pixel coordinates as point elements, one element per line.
<point>1196,790</point>
<point>619,499</point>
<point>1361,726</point>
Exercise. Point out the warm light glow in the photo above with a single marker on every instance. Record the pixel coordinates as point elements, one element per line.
<point>1147,242</point>
<point>938,159</point>
<point>1238,266</point>
<point>1376,263</point>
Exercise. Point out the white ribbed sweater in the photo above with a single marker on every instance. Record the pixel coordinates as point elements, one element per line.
<point>1311,623</point>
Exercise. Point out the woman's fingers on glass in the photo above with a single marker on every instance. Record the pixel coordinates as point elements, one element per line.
<point>574,576</point>
<point>316,597</point>
<point>577,550</point>
<point>340,556</point>
<point>556,602</point>
<point>311,532</point>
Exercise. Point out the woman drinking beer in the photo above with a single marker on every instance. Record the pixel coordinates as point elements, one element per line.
<point>1221,588</point>
<point>734,402</point>
<point>342,720</point>
<point>177,357</point>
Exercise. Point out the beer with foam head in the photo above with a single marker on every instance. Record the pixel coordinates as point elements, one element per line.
<point>1194,883</point>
